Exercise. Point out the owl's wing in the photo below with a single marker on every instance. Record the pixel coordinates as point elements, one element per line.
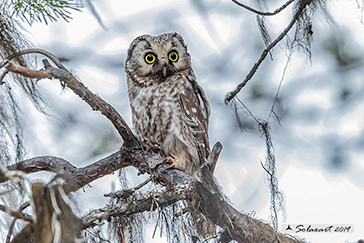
<point>197,112</point>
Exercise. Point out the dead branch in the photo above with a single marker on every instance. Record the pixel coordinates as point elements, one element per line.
<point>16,214</point>
<point>203,190</point>
<point>79,176</point>
<point>264,13</point>
<point>230,95</point>
<point>80,89</point>
<point>45,163</point>
<point>95,217</point>
<point>12,225</point>
<point>127,192</point>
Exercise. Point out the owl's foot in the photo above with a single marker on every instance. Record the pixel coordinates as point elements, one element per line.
<point>170,160</point>
<point>174,162</point>
<point>155,146</point>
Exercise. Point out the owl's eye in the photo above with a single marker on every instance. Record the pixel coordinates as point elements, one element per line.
<point>173,56</point>
<point>149,58</point>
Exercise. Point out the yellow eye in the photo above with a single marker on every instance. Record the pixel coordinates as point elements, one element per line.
<point>149,58</point>
<point>173,56</point>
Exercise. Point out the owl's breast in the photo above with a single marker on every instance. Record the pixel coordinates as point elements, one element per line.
<point>156,111</point>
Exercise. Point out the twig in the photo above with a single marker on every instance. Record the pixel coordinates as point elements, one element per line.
<point>128,192</point>
<point>122,234</point>
<point>264,13</point>
<point>11,228</point>
<point>278,90</point>
<point>156,225</point>
<point>49,55</point>
<point>183,225</point>
<point>126,208</point>
<point>230,95</point>
<point>16,214</point>
<point>2,77</point>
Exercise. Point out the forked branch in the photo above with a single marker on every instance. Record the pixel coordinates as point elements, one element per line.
<point>264,13</point>
<point>230,95</point>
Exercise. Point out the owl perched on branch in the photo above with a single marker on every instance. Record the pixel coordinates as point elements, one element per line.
<point>168,107</point>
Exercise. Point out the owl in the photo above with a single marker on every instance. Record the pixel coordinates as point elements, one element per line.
<point>168,106</point>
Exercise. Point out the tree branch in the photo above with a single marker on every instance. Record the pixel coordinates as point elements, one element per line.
<point>264,13</point>
<point>230,95</point>
<point>45,163</point>
<point>12,225</point>
<point>241,227</point>
<point>127,192</point>
<point>125,208</point>
<point>16,214</point>
<point>81,90</point>
<point>79,176</point>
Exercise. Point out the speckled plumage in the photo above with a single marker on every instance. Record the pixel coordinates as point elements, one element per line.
<point>168,107</point>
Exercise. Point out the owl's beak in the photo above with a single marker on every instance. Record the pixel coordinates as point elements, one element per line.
<point>164,71</point>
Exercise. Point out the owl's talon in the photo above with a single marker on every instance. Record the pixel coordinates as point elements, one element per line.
<point>173,162</point>
<point>170,160</point>
<point>148,142</point>
<point>155,147</point>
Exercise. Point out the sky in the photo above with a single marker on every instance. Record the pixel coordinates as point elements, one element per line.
<point>224,43</point>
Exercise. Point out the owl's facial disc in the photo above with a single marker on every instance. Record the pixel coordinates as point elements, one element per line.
<point>156,58</point>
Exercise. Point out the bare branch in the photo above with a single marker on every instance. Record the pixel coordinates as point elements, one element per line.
<point>264,13</point>
<point>204,192</point>
<point>96,170</point>
<point>230,95</point>
<point>95,217</point>
<point>127,192</point>
<point>12,225</point>
<point>46,163</point>
<point>49,55</point>
<point>16,214</point>
<point>81,90</point>
<point>79,176</point>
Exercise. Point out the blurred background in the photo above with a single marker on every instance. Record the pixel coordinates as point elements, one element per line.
<point>318,144</point>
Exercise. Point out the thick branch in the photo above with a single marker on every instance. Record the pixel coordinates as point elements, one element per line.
<point>89,173</point>
<point>79,177</point>
<point>230,95</point>
<point>46,163</point>
<point>203,190</point>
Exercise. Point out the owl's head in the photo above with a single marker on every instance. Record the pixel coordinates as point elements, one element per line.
<point>155,58</point>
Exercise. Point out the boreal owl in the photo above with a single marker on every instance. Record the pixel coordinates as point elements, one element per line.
<point>168,106</point>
